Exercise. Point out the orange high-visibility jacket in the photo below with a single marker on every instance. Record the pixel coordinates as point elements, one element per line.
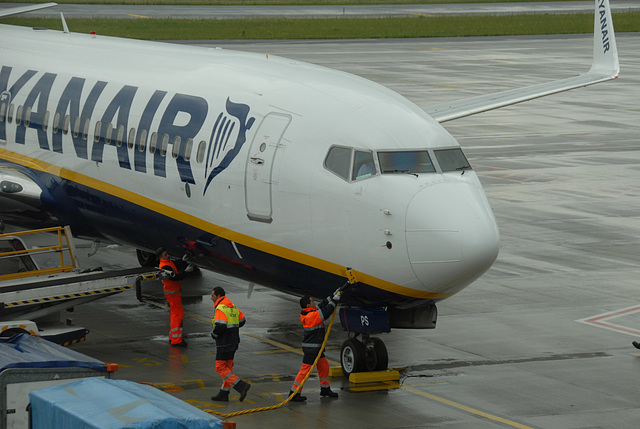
<point>226,324</point>
<point>313,322</point>
<point>170,285</point>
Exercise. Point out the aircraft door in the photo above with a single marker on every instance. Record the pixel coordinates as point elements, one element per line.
<point>5,99</point>
<point>259,168</point>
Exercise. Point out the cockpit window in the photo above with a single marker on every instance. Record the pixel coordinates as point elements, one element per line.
<point>350,164</point>
<point>405,162</point>
<point>339,161</point>
<point>452,160</point>
<point>363,165</point>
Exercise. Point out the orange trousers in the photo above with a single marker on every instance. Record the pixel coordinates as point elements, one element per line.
<point>323,373</point>
<point>225,369</point>
<point>177,315</point>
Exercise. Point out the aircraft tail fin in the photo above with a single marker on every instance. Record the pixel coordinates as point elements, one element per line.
<point>605,66</point>
<point>24,9</point>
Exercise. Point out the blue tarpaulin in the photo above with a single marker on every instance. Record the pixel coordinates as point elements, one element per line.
<point>25,351</point>
<point>105,404</point>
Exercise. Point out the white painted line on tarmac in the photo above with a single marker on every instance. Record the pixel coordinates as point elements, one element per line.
<point>604,320</point>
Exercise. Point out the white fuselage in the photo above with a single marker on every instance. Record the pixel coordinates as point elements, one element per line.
<point>244,185</point>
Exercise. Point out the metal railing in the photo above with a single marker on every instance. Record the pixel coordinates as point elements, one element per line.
<point>64,248</point>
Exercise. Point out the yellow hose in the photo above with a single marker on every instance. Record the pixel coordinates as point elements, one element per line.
<point>273,407</point>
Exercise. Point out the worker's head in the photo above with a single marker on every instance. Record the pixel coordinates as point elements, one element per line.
<point>307,302</point>
<point>160,252</point>
<point>216,293</point>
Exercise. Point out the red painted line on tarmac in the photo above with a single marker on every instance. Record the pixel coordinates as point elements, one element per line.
<point>617,328</point>
<point>601,320</point>
<point>614,313</point>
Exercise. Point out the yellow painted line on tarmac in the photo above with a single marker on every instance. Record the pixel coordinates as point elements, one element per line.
<point>275,352</point>
<point>283,347</point>
<point>466,408</point>
<point>138,16</point>
<point>271,352</point>
<point>430,383</point>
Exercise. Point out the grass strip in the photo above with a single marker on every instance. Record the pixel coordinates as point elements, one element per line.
<point>335,28</point>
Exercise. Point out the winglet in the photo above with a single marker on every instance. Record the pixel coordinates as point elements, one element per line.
<point>65,28</point>
<point>605,50</point>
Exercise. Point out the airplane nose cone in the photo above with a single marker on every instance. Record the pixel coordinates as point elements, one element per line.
<point>452,236</point>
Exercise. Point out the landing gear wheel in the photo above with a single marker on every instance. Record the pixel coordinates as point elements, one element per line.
<point>146,259</point>
<point>376,357</point>
<point>382,357</point>
<point>352,356</point>
<point>370,356</point>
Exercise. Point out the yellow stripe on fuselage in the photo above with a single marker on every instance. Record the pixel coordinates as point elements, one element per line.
<point>201,224</point>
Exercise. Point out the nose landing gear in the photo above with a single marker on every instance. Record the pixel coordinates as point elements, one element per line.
<point>361,352</point>
<point>368,354</point>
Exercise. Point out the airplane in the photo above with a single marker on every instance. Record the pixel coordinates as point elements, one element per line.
<point>285,174</point>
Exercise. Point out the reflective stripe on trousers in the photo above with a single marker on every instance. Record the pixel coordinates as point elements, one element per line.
<point>225,369</point>
<point>177,315</point>
<point>323,373</point>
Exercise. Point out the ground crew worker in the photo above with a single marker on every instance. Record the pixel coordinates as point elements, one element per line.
<point>173,293</point>
<point>226,331</point>
<point>313,317</point>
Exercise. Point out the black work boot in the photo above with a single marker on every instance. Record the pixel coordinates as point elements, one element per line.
<point>298,397</point>
<point>242,387</point>
<point>222,396</point>
<point>326,391</point>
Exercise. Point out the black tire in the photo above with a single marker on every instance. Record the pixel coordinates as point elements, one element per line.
<point>375,355</point>
<point>382,356</point>
<point>146,259</point>
<point>370,362</point>
<point>352,356</point>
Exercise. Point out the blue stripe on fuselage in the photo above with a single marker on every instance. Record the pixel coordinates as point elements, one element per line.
<point>81,207</point>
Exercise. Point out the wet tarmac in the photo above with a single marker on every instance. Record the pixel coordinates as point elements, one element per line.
<point>542,340</point>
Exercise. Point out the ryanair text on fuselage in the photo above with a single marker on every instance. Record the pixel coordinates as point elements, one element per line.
<point>82,99</point>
